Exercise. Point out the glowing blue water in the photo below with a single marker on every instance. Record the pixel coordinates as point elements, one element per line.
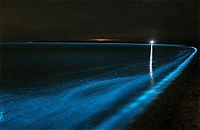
<point>100,102</point>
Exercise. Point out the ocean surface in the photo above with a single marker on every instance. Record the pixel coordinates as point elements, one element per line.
<point>84,85</point>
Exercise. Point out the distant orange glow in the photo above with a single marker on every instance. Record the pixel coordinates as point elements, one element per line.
<point>101,39</point>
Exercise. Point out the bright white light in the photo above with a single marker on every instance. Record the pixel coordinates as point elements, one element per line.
<point>152,42</point>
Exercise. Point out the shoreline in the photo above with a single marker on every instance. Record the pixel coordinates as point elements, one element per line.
<point>178,107</point>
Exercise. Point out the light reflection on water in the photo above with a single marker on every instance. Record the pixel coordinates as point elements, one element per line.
<point>151,65</point>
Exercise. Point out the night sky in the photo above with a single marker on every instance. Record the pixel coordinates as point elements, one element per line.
<point>64,20</point>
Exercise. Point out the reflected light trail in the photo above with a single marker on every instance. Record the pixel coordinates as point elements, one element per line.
<point>151,64</point>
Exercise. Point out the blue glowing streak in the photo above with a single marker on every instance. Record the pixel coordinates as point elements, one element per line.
<point>83,103</point>
<point>1,116</point>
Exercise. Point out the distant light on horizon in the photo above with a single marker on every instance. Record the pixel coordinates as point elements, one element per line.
<point>152,42</point>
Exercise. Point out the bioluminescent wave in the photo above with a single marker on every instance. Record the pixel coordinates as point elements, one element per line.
<point>110,89</point>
